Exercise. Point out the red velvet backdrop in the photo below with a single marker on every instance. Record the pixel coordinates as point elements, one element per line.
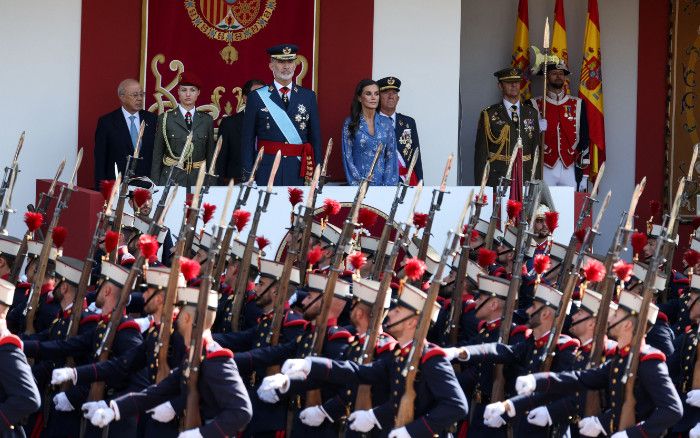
<point>110,50</point>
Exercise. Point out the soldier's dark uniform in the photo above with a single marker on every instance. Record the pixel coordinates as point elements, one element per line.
<point>681,366</point>
<point>497,135</point>
<point>19,395</point>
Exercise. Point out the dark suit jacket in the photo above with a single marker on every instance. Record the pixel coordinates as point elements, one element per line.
<point>229,163</point>
<point>404,122</point>
<point>113,145</point>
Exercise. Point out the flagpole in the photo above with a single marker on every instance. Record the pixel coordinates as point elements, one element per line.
<point>545,49</point>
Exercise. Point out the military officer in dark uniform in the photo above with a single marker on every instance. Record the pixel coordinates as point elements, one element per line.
<point>658,406</point>
<point>171,136</point>
<point>19,395</point>
<point>500,127</point>
<point>282,117</point>
<point>224,404</point>
<point>405,127</point>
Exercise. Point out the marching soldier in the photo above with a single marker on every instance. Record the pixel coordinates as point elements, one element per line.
<point>439,401</point>
<point>566,130</point>
<point>282,117</point>
<point>9,247</point>
<point>223,401</point>
<point>658,406</point>
<point>174,126</point>
<point>19,395</point>
<point>405,127</point>
<point>500,127</point>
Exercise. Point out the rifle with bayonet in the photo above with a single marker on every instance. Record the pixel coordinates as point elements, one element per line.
<point>309,215</point>
<point>363,399</point>
<point>44,200</point>
<point>405,413</point>
<point>293,251</point>
<point>313,397</point>
<point>8,185</point>
<point>435,204</point>
<point>128,175</point>
<point>522,244</point>
<point>627,415</point>
<point>586,210</point>
<point>38,281</point>
<point>607,289</point>
<point>571,283</point>
<point>192,366</point>
<point>242,276</point>
<point>499,193</point>
<point>401,189</point>
<point>456,302</point>
<point>243,193</point>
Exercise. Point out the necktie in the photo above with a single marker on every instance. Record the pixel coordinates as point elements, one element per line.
<point>514,113</point>
<point>285,95</point>
<point>188,120</point>
<point>133,131</point>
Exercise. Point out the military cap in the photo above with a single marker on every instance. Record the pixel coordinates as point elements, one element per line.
<point>237,250</point>
<point>413,298</point>
<point>510,74</point>
<point>366,291</point>
<point>159,277</point>
<point>69,269</point>
<point>141,182</point>
<point>640,271</point>
<point>9,245</point>
<point>493,286</point>
<point>554,63</point>
<point>189,79</point>
<point>283,52</point>
<point>548,295</point>
<point>142,227</point>
<point>632,303</point>
<point>432,258</point>
<point>114,273</point>
<point>34,250</point>
<point>389,83</point>
<point>695,283</point>
<point>190,296</point>
<point>317,283</point>
<point>591,302</point>
<point>273,269</point>
<point>7,292</point>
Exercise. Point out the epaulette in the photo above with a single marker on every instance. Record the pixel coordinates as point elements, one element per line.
<point>296,323</point>
<point>689,328</point>
<point>610,348</point>
<point>481,325</point>
<point>90,318</point>
<point>385,343</point>
<point>521,329</point>
<point>23,285</point>
<point>469,306</point>
<point>565,342</point>
<point>224,352</point>
<point>339,333</point>
<point>433,351</point>
<point>650,353</point>
<point>11,340</point>
<point>129,324</point>
<point>661,316</point>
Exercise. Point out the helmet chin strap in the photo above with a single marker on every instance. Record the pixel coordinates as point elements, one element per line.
<point>155,293</point>
<point>617,323</point>
<point>476,309</point>
<point>581,320</point>
<point>265,290</point>
<point>308,306</point>
<point>394,324</point>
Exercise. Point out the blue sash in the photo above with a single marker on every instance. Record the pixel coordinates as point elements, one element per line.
<point>280,117</point>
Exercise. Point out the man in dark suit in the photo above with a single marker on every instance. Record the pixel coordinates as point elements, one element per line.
<point>500,127</point>
<point>404,126</point>
<point>282,117</point>
<point>230,129</point>
<point>116,134</point>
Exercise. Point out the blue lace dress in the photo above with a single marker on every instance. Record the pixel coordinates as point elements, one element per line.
<point>359,150</point>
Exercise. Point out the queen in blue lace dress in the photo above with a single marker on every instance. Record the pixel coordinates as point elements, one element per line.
<point>363,132</point>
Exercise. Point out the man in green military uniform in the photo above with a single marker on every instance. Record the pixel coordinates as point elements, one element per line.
<point>171,135</point>
<point>500,127</point>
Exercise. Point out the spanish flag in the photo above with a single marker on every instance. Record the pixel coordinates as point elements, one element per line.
<point>521,53</point>
<point>559,38</point>
<point>590,89</point>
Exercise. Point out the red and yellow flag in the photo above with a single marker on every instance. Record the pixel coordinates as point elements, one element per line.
<point>559,38</point>
<point>590,89</point>
<point>521,44</point>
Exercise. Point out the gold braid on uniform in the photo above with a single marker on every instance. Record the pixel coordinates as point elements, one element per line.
<point>501,141</point>
<point>171,159</point>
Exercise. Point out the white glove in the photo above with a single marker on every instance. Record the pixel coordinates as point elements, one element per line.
<point>191,433</point>
<point>495,422</point>
<point>543,125</point>
<point>621,434</point>
<point>144,323</point>
<point>363,421</point>
<point>540,417</point>
<point>163,413</point>
<point>89,408</point>
<point>296,369</point>
<point>494,410</point>
<point>102,417</point>
<point>62,375</point>
<point>525,385</point>
<point>583,186</point>
<point>451,353</point>
<point>313,416</point>
<point>590,426</point>
<point>267,391</point>
<point>694,432</point>
<point>693,398</point>
<point>61,402</point>
<point>401,432</point>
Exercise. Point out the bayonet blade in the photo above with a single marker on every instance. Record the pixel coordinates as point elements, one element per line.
<point>59,171</point>
<point>273,172</point>
<point>374,162</point>
<point>113,194</point>
<point>676,205</point>
<point>603,207</point>
<point>411,166</point>
<point>484,179</point>
<point>139,139</point>
<point>326,157</point>
<point>78,160</point>
<point>168,203</point>
<point>229,193</point>
<point>20,144</point>
<point>312,188</point>
<point>446,173</point>
<point>217,150</point>
<point>255,166</point>
<point>416,197</point>
<point>513,156</point>
<point>198,187</point>
<point>185,150</point>
<point>596,184</point>
<point>535,162</point>
<point>545,42</point>
<point>633,202</point>
<point>694,158</point>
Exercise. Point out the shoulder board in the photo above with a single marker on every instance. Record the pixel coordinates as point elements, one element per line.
<point>481,325</point>
<point>689,328</point>
<point>296,323</point>
<point>90,318</point>
<point>565,342</point>
<point>339,333</point>
<point>433,351</point>
<point>23,285</point>
<point>656,355</point>
<point>385,343</point>
<point>129,324</point>
<point>662,317</point>
<point>11,340</point>
<point>521,329</point>
<point>469,306</point>
<point>224,352</point>
<point>610,348</point>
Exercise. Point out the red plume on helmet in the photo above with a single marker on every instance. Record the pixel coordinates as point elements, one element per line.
<point>33,220</point>
<point>141,196</point>
<point>486,257</point>
<point>541,263</point>
<point>358,260</point>
<point>111,241</point>
<point>262,242</point>
<point>691,258</point>
<point>188,199</point>
<point>106,186</point>
<point>367,218</point>
<point>59,236</point>
<point>513,208</point>
<point>420,220</point>
<point>414,268</point>
<point>639,241</point>
<point>622,270</point>
<point>240,219</point>
<point>551,218</point>
<point>208,212</point>
<point>331,207</point>
<point>189,268</point>
<point>580,235</point>
<point>594,271</point>
<point>295,195</point>
<point>313,256</point>
<point>148,245</point>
